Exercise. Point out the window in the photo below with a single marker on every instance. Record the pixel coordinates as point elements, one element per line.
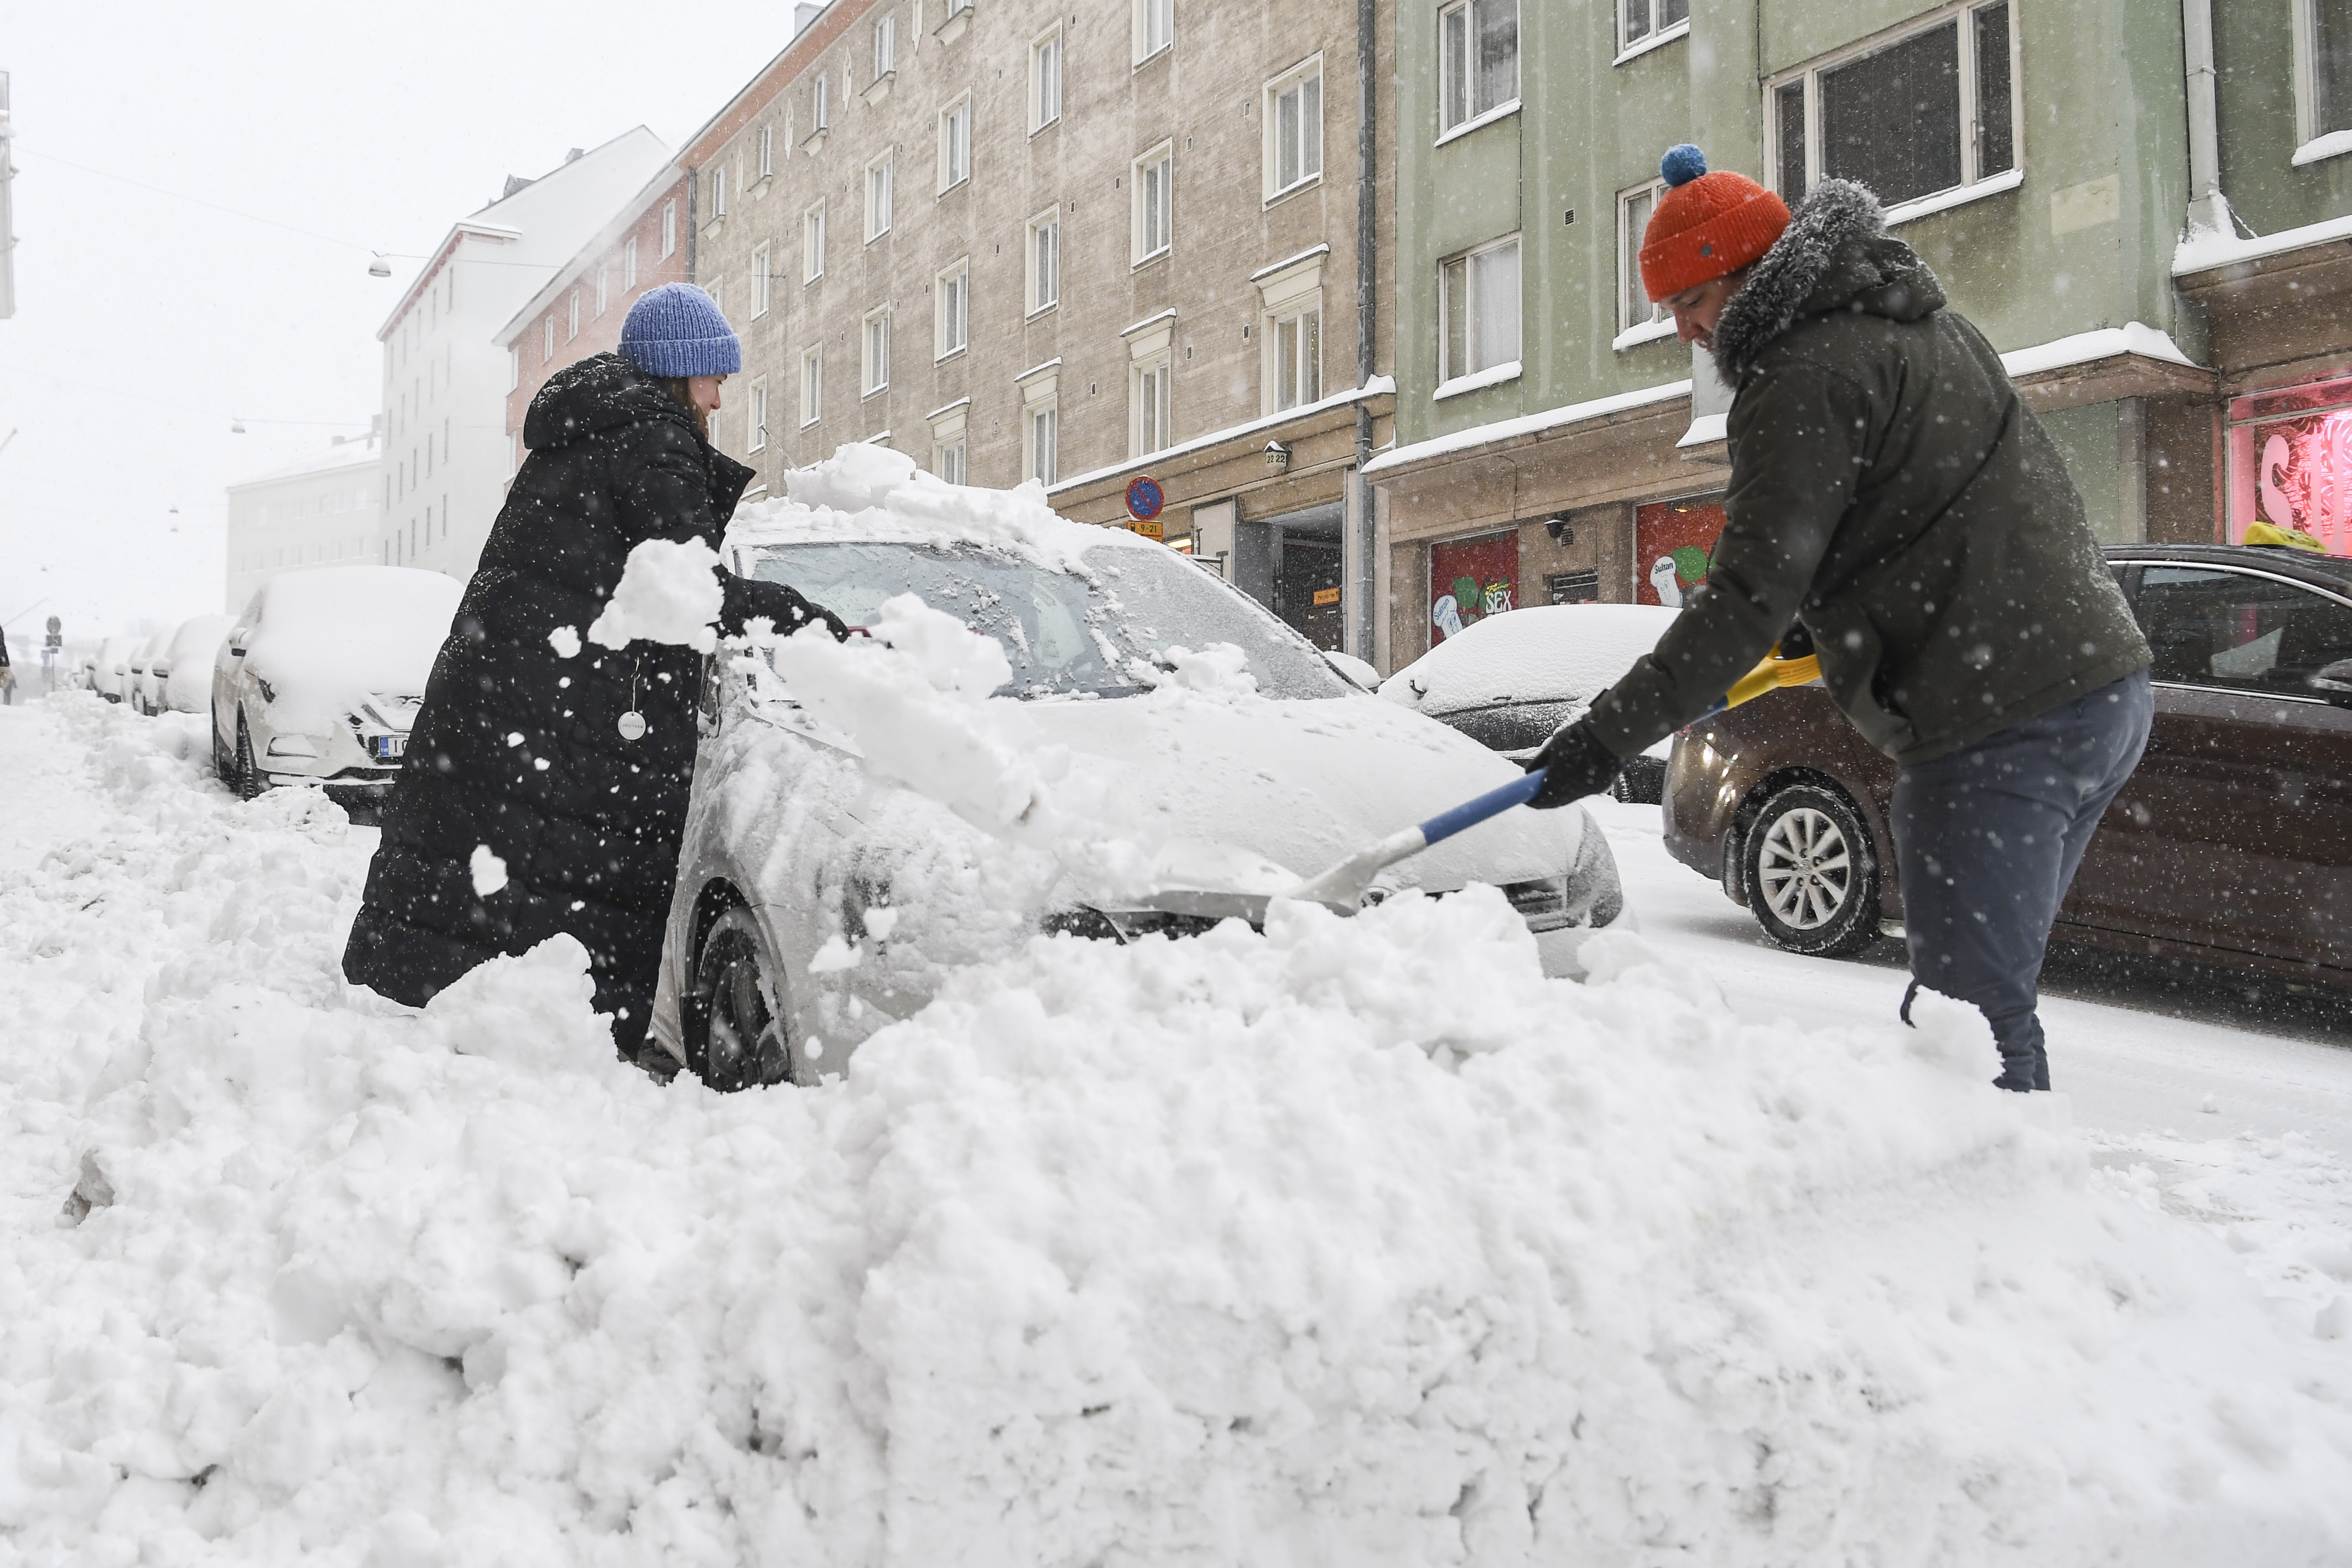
<point>1297,358</point>
<point>767,152</point>
<point>1148,396</point>
<point>948,463</point>
<point>1634,311</point>
<point>571,315</point>
<point>1651,21</point>
<point>955,144</point>
<point>1040,443</point>
<point>1478,59</point>
<point>812,244</point>
<point>812,387</point>
<point>2322,77</point>
<point>719,192</point>
<point>819,103</point>
<point>1155,202</point>
<point>762,277</point>
<point>547,350</point>
<point>757,421</point>
<point>877,200</point>
<point>952,318</point>
<point>1045,81</point>
<point>1930,111</point>
<point>670,227</point>
<point>1155,28</point>
<point>1478,311</point>
<point>1294,129</point>
<point>1043,251</point>
<point>2228,629</point>
<point>629,263</point>
<point>714,428</point>
<point>717,289</point>
<point>886,46</point>
<point>514,368</point>
<point>878,351</point>
<point>603,289</point>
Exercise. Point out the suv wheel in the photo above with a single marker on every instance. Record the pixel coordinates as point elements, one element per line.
<point>1811,874</point>
<point>735,1032</point>
<point>247,781</point>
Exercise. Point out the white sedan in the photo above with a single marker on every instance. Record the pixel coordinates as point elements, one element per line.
<point>815,901</point>
<point>112,665</point>
<point>183,674</point>
<point>323,674</point>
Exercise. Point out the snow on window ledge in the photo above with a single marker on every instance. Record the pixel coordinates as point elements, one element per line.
<point>2335,144</point>
<point>1958,196</point>
<point>1476,381</point>
<point>1705,430</point>
<point>1499,111</point>
<point>1647,332</point>
<point>1634,51</point>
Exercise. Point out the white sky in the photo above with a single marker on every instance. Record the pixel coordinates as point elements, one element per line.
<point>144,322</point>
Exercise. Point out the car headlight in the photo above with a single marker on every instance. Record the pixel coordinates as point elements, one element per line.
<point>293,746</point>
<point>1589,894</point>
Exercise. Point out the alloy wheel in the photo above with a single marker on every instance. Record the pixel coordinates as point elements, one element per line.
<point>1804,869</point>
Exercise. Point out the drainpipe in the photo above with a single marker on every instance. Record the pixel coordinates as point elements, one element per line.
<point>2208,209</point>
<point>1367,319</point>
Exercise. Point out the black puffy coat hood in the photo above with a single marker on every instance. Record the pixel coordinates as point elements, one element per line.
<point>603,392</point>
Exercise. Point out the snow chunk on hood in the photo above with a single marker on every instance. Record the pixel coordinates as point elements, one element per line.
<point>668,592</point>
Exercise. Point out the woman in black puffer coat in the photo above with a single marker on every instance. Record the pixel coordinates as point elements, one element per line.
<point>573,771</point>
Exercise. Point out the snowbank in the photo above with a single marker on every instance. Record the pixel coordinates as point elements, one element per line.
<point>1357,1242</point>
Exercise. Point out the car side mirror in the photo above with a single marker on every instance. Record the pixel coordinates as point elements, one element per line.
<point>2333,680</point>
<point>236,645</point>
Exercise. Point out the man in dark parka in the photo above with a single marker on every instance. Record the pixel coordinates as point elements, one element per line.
<point>572,768</point>
<point>1893,500</point>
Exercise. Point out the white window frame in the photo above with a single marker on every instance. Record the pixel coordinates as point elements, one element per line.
<point>1659,321</point>
<point>1295,80</point>
<point>820,104</point>
<point>514,367</point>
<point>951,310</point>
<point>1041,272</point>
<point>885,45</point>
<point>767,152</point>
<point>812,386</point>
<point>2313,144</point>
<point>572,316</point>
<point>1310,380</point>
<point>1151,388</point>
<point>717,289</point>
<point>669,227</point>
<point>950,460</point>
<point>629,263</point>
<point>1973,185</point>
<point>1040,440</point>
<point>1155,29</point>
<point>812,244</point>
<point>1046,83</point>
<point>1472,116</point>
<point>955,144</point>
<point>603,289</point>
<point>718,192</point>
<point>1141,212</point>
<point>874,353</point>
<point>762,278</point>
<point>878,175</point>
<point>756,415</point>
<point>547,351</point>
<point>1629,47</point>
<point>1454,378</point>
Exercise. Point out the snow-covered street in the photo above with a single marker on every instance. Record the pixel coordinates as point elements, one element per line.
<point>1354,1242</point>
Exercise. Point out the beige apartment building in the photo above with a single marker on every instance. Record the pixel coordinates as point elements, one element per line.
<point>1019,241</point>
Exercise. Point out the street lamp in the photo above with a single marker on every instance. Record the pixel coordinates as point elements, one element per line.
<point>379,267</point>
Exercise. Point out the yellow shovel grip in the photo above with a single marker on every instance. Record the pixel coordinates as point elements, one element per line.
<point>1771,675</point>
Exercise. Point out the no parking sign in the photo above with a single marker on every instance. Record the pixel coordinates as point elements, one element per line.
<point>1145,501</point>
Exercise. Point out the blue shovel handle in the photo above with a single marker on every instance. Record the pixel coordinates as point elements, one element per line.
<point>1471,812</point>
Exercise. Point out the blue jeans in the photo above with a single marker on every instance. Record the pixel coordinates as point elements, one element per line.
<point>1987,841</point>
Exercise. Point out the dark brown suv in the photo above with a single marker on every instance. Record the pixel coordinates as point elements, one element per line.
<point>2232,844</point>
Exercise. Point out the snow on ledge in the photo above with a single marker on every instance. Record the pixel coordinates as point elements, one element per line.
<point>1647,332</point>
<point>2204,249</point>
<point>1958,196</point>
<point>1379,386</point>
<point>2085,347</point>
<point>1705,430</point>
<point>2335,144</point>
<point>1492,376</point>
<point>1479,435</point>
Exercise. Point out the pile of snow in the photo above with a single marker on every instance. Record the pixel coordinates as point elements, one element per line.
<point>327,637</point>
<point>1357,1243</point>
<point>1545,652</point>
<point>668,594</point>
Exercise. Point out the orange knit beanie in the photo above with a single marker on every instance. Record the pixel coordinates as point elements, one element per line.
<point>1705,225</point>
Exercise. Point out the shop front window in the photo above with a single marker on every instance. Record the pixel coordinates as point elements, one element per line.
<point>1470,580</point>
<point>2290,463</point>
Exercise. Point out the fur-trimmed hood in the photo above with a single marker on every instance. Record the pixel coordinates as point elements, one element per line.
<point>1836,255</point>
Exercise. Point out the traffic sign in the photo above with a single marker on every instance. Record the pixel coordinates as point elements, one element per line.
<point>1144,498</point>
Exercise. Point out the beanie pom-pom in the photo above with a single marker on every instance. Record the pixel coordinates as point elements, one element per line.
<point>1681,165</point>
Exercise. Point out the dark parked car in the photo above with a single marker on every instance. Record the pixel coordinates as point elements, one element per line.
<point>1509,681</point>
<point>2232,844</point>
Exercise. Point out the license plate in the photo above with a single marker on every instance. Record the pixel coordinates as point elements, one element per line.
<point>388,746</point>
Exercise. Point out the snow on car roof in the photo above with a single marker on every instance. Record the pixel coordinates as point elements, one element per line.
<point>869,493</point>
<point>1547,652</point>
<point>344,631</point>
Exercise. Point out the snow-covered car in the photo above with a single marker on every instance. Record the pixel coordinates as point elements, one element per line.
<point>1509,681</point>
<point>816,900</point>
<point>321,677</point>
<point>182,675</point>
<point>139,673</point>
<point>112,663</point>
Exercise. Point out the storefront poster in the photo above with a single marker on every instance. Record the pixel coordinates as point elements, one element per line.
<point>2294,468</point>
<point>1672,541</point>
<point>1471,580</point>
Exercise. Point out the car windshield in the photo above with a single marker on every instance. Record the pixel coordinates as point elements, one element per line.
<point>1066,634</point>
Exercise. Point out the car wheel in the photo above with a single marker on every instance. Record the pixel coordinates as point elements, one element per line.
<point>735,1033</point>
<point>224,761</point>
<point>248,782</point>
<point>1812,873</point>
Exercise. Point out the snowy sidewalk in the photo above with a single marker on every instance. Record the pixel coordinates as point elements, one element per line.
<point>1357,1243</point>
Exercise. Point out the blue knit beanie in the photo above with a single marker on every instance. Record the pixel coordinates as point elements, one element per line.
<point>676,331</point>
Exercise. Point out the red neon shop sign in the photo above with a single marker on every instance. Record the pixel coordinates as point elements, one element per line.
<point>2291,461</point>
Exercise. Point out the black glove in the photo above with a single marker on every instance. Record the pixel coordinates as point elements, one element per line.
<point>1576,765</point>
